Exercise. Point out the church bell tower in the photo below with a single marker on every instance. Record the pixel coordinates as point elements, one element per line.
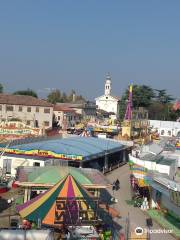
<point>107,90</point>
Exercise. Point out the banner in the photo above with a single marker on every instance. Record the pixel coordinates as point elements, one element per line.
<point>19,131</point>
<point>42,153</point>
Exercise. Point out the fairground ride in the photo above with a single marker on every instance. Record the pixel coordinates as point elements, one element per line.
<point>135,124</point>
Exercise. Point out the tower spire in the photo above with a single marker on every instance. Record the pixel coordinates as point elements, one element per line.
<point>107,90</point>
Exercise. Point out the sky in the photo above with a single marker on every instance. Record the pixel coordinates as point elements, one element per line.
<point>67,45</point>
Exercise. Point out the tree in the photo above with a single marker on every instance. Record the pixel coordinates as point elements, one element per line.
<point>80,98</point>
<point>73,97</point>
<point>157,102</point>
<point>54,96</point>
<point>155,110</point>
<point>64,97</point>
<point>28,92</point>
<point>163,97</point>
<point>123,104</point>
<point>1,88</point>
<point>142,97</point>
<point>174,115</point>
<point>165,100</point>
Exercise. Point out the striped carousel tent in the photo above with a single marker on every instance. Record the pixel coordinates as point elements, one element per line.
<point>66,203</point>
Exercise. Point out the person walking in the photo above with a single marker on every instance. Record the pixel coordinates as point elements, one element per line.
<point>117,184</point>
<point>113,187</point>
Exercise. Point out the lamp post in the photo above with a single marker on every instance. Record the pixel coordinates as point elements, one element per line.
<point>105,160</point>
<point>65,122</point>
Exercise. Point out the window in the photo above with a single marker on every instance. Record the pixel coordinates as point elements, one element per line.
<point>20,108</point>
<point>0,107</point>
<point>7,165</point>
<point>28,122</point>
<point>59,117</point>
<point>36,123</point>
<point>9,108</point>
<point>28,109</point>
<point>36,164</point>
<point>47,110</point>
<point>106,97</point>
<point>46,123</point>
<point>37,109</point>
<point>162,132</point>
<point>169,133</point>
<point>175,197</point>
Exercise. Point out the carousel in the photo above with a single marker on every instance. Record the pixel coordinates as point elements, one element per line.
<point>70,210</point>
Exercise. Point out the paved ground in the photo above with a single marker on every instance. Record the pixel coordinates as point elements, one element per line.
<point>7,212</point>
<point>137,216</point>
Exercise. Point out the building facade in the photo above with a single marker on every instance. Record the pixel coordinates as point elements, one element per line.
<point>165,194</point>
<point>31,111</point>
<point>10,163</point>
<point>107,102</point>
<point>86,109</point>
<point>66,117</point>
<point>165,128</point>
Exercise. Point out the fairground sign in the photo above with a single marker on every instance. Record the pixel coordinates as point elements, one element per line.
<point>17,128</point>
<point>18,131</point>
<point>42,153</point>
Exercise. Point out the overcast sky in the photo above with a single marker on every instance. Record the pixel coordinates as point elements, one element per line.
<point>73,44</point>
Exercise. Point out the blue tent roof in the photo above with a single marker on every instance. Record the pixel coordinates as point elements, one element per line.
<point>88,147</point>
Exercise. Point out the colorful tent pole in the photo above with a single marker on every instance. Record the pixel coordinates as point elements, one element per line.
<point>128,114</point>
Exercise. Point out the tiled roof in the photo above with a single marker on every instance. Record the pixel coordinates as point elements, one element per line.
<point>83,104</point>
<point>63,108</point>
<point>23,100</point>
